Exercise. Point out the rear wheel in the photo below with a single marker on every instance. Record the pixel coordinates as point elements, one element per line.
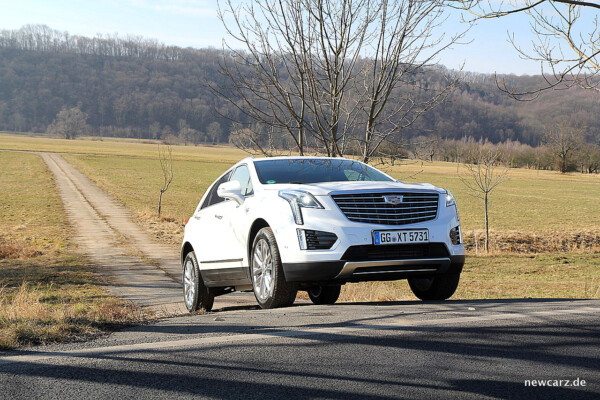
<point>324,294</point>
<point>439,287</point>
<point>268,281</point>
<point>195,294</point>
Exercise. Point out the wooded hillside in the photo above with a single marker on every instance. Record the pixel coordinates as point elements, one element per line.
<point>136,87</point>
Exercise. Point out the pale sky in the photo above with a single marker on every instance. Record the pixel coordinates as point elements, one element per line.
<point>193,23</point>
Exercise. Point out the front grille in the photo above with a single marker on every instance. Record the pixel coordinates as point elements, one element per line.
<point>371,252</point>
<point>371,208</point>
<point>319,240</point>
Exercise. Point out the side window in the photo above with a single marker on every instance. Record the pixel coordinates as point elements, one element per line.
<point>242,175</point>
<point>212,197</point>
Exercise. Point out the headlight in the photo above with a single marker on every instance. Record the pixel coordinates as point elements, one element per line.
<point>299,199</point>
<point>450,200</point>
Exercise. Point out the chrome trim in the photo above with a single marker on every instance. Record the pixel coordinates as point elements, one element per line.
<point>392,272</point>
<point>350,267</point>
<point>378,213</point>
<point>370,207</point>
<point>222,261</point>
<point>383,208</point>
<point>384,190</point>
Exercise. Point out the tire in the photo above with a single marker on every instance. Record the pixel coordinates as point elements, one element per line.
<point>268,280</point>
<point>439,287</point>
<point>324,294</point>
<point>195,295</point>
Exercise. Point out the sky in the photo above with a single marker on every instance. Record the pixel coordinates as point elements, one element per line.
<point>194,23</point>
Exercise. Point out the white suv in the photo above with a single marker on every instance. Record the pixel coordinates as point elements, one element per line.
<point>279,225</point>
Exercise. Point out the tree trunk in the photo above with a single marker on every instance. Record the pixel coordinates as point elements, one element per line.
<point>487,224</point>
<point>159,202</point>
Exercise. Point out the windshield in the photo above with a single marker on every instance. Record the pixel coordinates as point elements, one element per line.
<point>315,170</point>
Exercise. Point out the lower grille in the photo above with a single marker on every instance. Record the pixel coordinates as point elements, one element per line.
<point>372,252</point>
<point>319,240</point>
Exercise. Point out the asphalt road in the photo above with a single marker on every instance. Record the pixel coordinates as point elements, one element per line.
<point>453,349</point>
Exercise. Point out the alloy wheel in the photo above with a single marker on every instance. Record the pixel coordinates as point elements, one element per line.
<point>262,270</point>
<point>189,278</point>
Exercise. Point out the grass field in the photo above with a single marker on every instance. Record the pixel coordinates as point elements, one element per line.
<point>545,276</point>
<point>555,210</point>
<point>47,293</point>
<point>531,210</point>
<point>117,147</point>
<point>529,201</point>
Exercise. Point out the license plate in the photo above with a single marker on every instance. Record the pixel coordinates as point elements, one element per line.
<point>401,237</point>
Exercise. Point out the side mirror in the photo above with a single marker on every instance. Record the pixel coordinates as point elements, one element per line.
<point>231,190</point>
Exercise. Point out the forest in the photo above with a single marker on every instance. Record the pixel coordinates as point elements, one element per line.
<point>138,87</point>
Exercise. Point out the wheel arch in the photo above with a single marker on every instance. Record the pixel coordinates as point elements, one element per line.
<point>185,250</point>
<point>257,225</point>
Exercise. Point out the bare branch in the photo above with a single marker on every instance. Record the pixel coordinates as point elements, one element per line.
<point>166,164</point>
<point>325,77</point>
<point>567,55</point>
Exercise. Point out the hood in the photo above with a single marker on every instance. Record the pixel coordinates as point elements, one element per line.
<point>325,188</point>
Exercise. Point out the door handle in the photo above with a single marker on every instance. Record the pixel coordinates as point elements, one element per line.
<point>218,216</point>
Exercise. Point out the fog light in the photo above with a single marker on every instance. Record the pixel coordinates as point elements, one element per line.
<point>315,240</point>
<point>301,238</point>
<point>456,235</point>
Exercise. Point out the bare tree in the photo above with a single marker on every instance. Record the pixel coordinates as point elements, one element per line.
<point>564,141</point>
<point>323,76</point>
<point>482,177</point>
<point>425,147</point>
<point>566,44</point>
<point>69,122</point>
<point>165,157</point>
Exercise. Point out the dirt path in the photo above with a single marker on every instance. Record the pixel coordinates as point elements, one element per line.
<point>140,270</point>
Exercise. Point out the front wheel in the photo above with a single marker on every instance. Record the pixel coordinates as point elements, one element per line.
<point>324,294</point>
<point>439,287</point>
<point>195,294</point>
<point>268,281</point>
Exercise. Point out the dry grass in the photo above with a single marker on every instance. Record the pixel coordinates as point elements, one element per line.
<point>375,291</point>
<point>514,242</point>
<point>31,212</point>
<point>36,315</point>
<point>67,301</point>
<point>16,249</point>
<point>554,275</point>
<point>166,230</point>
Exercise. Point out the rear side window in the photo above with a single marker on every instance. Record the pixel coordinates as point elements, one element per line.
<point>242,175</point>
<point>212,197</point>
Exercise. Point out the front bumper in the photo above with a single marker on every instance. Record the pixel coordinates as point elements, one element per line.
<point>334,264</point>
<point>380,270</point>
